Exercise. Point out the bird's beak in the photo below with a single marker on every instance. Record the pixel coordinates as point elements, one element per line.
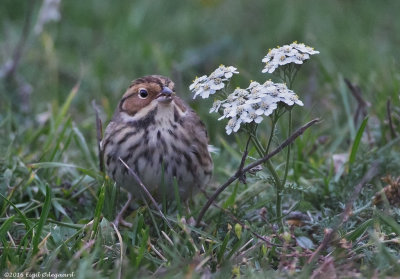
<point>166,91</point>
<point>165,95</point>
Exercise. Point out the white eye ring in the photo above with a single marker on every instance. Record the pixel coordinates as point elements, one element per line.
<point>143,94</point>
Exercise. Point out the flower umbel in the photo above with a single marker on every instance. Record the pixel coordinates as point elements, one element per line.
<point>205,86</point>
<point>251,104</point>
<point>293,53</point>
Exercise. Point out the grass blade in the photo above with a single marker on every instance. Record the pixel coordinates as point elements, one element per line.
<point>83,146</point>
<point>91,173</point>
<point>357,141</point>
<point>344,94</point>
<point>61,115</point>
<point>25,220</point>
<point>61,137</point>
<point>389,222</point>
<point>143,246</point>
<point>359,231</point>
<point>66,105</point>
<point>42,220</point>
<point>6,226</point>
<point>98,210</point>
<point>222,250</point>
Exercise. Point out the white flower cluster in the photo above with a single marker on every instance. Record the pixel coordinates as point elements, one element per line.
<point>258,100</point>
<point>293,53</point>
<point>251,104</point>
<point>205,86</point>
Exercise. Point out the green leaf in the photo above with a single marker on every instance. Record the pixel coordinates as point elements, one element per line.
<point>61,136</point>
<point>6,226</point>
<point>304,242</point>
<point>143,246</point>
<point>137,227</point>
<point>61,116</point>
<point>19,212</point>
<point>354,235</point>
<point>98,210</point>
<point>59,207</point>
<point>106,232</point>
<point>222,250</point>
<point>346,104</point>
<point>42,220</point>
<point>66,105</point>
<point>390,222</point>
<point>43,165</point>
<point>238,230</point>
<point>112,194</point>
<point>357,141</point>
<point>82,144</point>
<point>230,201</point>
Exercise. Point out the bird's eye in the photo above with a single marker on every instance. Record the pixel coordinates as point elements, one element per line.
<point>143,93</point>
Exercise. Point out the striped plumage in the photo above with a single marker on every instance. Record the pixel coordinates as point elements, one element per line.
<point>160,137</point>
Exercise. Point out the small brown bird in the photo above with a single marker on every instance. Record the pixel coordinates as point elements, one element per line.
<point>160,138</point>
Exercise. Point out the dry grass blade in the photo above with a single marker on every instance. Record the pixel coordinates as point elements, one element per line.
<point>84,248</point>
<point>144,188</point>
<point>121,249</point>
<point>362,104</point>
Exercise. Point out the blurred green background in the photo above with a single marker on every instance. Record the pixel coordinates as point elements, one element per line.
<point>106,44</point>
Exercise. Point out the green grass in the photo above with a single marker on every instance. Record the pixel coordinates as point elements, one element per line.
<point>56,207</point>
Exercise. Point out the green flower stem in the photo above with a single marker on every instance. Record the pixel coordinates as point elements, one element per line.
<point>288,150</point>
<point>271,135</point>
<point>279,190</point>
<point>278,184</point>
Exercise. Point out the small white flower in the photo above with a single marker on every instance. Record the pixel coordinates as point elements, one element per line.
<point>204,91</point>
<point>241,92</point>
<point>225,113</point>
<point>285,95</point>
<point>224,72</point>
<point>218,73</point>
<point>248,105</point>
<point>197,82</point>
<point>233,125</point>
<point>267,106</point>
<point>233,108</point>
<point>229,71</point>
<point>268,83</point>
<point>296,100</point>
<point>216,84</point>
<point>293,53</point>
<point>249,114</point>
<point>253,116</point>
<point>205,86</point>
<point>254,87</point>
<point>305,49</point>
<point>216,105</point>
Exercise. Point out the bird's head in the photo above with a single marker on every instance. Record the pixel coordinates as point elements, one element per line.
<point>146,90</point>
